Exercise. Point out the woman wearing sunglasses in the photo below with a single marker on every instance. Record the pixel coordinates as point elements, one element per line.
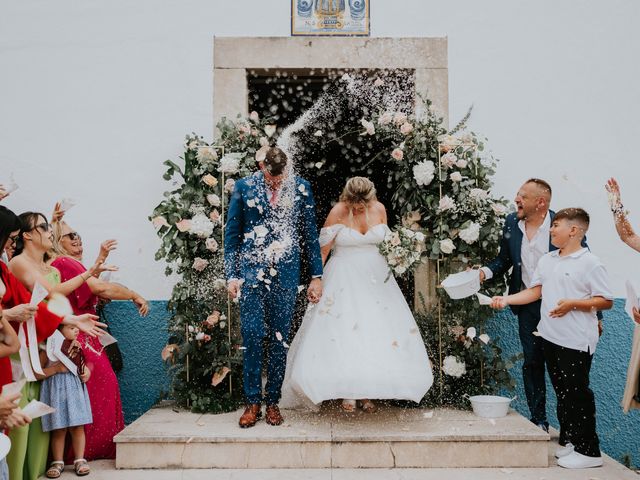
<point>28,457</point>
<point>104,392</point>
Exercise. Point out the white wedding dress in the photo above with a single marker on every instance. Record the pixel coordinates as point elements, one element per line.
<point>360,340</point>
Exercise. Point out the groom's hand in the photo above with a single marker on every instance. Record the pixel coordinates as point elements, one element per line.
<point>314,292</point>
<point>233,287</point>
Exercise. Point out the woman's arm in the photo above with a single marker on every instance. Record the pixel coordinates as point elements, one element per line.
<point>116,291</point>
<point>337,213</point>
<point>623,226</point>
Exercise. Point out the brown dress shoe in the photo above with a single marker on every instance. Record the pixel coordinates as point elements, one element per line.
<point>252,413</point>
<point>273,416</point>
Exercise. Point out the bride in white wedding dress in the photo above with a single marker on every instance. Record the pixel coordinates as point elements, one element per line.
<point>361,340</point>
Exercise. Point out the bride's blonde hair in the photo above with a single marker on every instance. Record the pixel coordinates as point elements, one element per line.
<point>358,191</point>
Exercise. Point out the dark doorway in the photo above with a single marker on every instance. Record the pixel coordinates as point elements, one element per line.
<point>340,152</point>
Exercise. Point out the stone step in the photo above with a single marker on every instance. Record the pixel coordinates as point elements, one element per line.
<point>392,437</point>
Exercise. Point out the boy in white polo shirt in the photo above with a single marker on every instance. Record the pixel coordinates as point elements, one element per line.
<point>573,285</point>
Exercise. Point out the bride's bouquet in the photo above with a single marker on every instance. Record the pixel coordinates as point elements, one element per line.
<point>402,249</point>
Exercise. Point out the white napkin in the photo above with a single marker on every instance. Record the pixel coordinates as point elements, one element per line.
<point>36,409</point>
<point>107,340</point>
<point>13,388</point>
<point>484,299</point>
<point>632,299</point>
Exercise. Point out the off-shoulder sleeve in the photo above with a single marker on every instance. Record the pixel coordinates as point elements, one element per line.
<point>327,234</point>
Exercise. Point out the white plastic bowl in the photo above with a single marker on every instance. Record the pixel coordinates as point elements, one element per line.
<point>462,284</point>
<point>490,406</point>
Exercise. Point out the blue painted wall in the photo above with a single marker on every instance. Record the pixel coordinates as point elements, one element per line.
<point>144,380</point>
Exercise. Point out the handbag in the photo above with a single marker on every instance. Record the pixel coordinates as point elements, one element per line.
<point>112,351</point>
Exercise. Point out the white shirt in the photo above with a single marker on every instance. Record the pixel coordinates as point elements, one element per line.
<point>578,276</point>
<point>531,251</point>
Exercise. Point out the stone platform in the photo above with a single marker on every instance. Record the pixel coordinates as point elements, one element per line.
<point>392,437</point>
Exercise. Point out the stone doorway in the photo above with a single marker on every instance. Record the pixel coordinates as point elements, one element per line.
<point>242,68</point>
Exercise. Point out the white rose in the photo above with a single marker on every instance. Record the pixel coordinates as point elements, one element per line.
<point>449,141</point>
<point>455,177</point>
<point>420,236</point>
<point>318,133</point>
<point>270,130</point>
<point>484,338</point>
<point>478,194</point>
<point>200,336</point>
<point>207,155</point>
<point>447,246</point>
<point>467,137</point>
<point>395,239</point>
<point>201,226</point>
<point>199,264</point>
<point>211,244</point>
<point>264,142</point>
<point>446,203</point>
<point>471,233</point>
<point>370,129</point>
<point>453,367</point>
<point>385,119</point>
<point>498,208</point>
<point>471,333</point>
<point>254,117</point>
<point>213,199</point>
<point>423,172</point>
<point>230,163</point>
<point>448,159</point>
<point>461,163</point>
<point>229,184</point>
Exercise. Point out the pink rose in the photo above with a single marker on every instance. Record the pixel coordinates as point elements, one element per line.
<point>183,225</point>
<point>229,184</point>
<point>385,119</point>
<point>199,264</point>
<point>448,160</point>
<point>211,244</point>
<point>159,222</point>
<point>210,180</point>
<point>399,118</point>
<point>214,216</point>
<point>244,128</point>
<point>406,128</point>
<point>397,154</point>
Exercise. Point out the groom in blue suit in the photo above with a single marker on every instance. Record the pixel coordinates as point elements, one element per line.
<point>271,224</point>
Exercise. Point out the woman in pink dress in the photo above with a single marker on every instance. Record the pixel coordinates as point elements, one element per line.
<point>104,392</point>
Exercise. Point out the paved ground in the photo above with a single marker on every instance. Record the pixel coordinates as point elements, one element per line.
<point>612,470</point>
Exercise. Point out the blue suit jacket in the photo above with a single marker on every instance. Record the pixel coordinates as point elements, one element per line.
<point>244,252</point>
<point>510,254</point>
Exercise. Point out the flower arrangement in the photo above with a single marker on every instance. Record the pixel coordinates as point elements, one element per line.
<point>402,249</point>
<point>441,184</point>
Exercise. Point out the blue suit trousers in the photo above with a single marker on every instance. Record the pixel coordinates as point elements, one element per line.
<point>265,313</point>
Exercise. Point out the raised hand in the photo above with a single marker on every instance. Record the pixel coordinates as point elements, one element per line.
<point>88,324</point>
<point>57,214</point>
<point>100,267</point>
<point>106,247</point>
<point>3,192</point>
<point>142,304</point>
<point>19,313</point>
<point>614,193</point>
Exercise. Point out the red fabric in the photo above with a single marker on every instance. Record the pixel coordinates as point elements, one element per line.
<point>104,392</point>
<point>17,294</point>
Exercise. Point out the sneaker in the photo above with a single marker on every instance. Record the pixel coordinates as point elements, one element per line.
<point>577,460</point>
<point>564,451</point>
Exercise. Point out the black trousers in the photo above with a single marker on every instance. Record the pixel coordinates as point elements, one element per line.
<point>533,366</point>
<point>569,372</point>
